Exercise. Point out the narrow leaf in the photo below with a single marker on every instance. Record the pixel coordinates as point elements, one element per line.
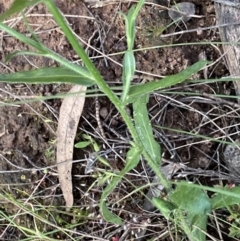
<point>137,9</point>
<point>165,207</point>
<point>130,20</point>
<point>17,53</point>
<point>139,90</point>
<point>17,6</point>
<point>47,75</point>
<point>129,67</point>
<point>223,200</point>
<point>109,216</point>
<point>82,144</point>
<point>144,129</point>
<point>44,51</point>
<point>21,37</point>
<point>128,28</point>
<point>132,159</point>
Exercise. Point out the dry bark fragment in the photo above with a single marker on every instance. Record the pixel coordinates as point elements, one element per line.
<point>70,113</point>
<point>230,14</point>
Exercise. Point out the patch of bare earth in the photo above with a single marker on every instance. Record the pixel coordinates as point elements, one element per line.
<point>180,115</point>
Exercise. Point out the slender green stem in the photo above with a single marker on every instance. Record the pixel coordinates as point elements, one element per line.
<point>104,87</point>
<point>93,70</point>
<point>160,175</point>
<point>185,226</point>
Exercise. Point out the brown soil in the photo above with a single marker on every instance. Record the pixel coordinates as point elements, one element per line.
<point>28,130</point>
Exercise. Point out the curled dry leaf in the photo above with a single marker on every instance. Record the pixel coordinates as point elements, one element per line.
<point>70,113</point>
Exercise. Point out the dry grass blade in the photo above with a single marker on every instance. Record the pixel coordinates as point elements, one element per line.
<point>70,113</point>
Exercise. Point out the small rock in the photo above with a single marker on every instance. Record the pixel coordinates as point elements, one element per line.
<point>203,162</point>
<point>156,190</point>
<point>103,112</point>
<point>181,11</point>
<point>232,158</point>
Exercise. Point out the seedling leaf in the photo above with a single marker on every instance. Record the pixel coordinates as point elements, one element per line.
<point>109,216</point>
<point>196,204</point>
<point>165,207</point>
<point>223,200</point>
<point>82,144</point>
<point>132,159</point>
<point>16,7</point>
<point>17,53</point>
<point>47,75</point>
<point>136,91</point>
<point>130,19</point>
<point>144,129</point>
<point>129,67</point>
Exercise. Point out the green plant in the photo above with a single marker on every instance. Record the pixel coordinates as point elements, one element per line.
<point>89,141</point>
<point>187,204</point>
<point>34,220</point>
<point>50,153</point>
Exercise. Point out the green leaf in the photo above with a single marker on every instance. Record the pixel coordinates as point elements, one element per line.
<point>190,198</point>
<point>165,207</point>
<point>109,216</point>
<point>31,31</point>
<point>47,75</point>
<point>128,26</point>
<point>17,53</point>
<point>82,144</point>
<point>136,10</point>
<point>144,129</point>
<point>196,204</point>
<point>223,200</point>
<point>136,91</point>
<point>211,189</point>
<point>132,159</point>
<point>234,231</point>
<point>130,19</point>
<point>17,6</point>
<point>129,64</point>
<point>129,67</point>
<point>22,37</point>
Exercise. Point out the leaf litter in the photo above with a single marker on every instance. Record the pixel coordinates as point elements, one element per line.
<point>70,113</point>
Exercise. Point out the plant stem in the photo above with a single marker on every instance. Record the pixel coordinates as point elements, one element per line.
<point>157,170</point>
<point>103,86</point>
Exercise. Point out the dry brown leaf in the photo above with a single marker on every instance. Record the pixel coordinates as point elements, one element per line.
<point>70,113</point>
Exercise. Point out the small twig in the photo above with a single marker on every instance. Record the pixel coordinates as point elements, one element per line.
<point>202,56</point>
<point>217,100</point>
<point>97,109</point>
<point>198,29</point>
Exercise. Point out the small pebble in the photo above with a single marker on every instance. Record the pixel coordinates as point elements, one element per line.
<point>232,158</point>
<point>181,11</point>
<point>103,112</point>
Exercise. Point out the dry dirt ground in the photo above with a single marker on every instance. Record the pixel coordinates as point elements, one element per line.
<point>28,130</point>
